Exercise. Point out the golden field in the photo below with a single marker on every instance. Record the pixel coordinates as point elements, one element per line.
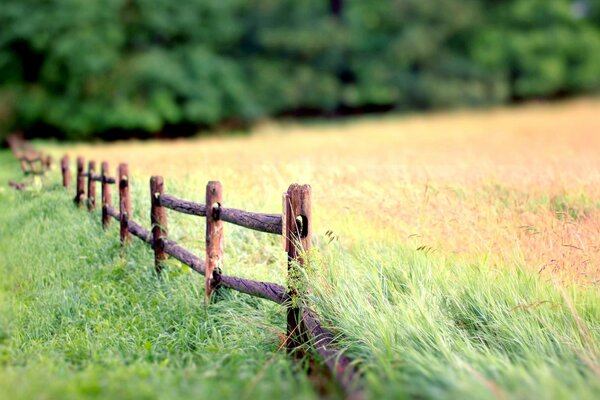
<point>516,186</point>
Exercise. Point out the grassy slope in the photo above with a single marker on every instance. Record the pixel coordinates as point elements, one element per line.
<point>422,321</point>
<point>436,327</point>
<point>79,321</point>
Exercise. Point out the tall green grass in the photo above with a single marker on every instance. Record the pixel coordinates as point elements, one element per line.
<point>431,326</point>
<point>77,321</point>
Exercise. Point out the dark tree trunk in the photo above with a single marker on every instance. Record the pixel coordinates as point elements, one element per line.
<point>337,7</point>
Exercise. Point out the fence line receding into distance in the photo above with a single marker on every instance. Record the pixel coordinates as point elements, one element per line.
<point>294,224</point>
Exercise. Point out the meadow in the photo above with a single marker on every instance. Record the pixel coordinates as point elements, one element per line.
<point>456,256</point>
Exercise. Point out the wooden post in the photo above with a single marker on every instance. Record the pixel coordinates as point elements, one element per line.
<point>214,236</point>
<point>91,186</point>
<point>158,220</point>
<point>66,172</point>
<point>297,237</point>
<point>24,166</point>
<point>105,195</point>
<point>124,202</point>
<point>79,190</point>
<point>46,162</point>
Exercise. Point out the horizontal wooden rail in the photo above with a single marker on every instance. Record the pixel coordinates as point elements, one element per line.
<point>182,206</point>
<point>112,212</point>
<point>265,290</point>
<point>344,371</point>
<point>100,178</point>
<point>342,368</point>
<point>31,159</point>
<point>132,226</point>
<point>267,223</point>
<point>28,157</point>
<point>303,326</point>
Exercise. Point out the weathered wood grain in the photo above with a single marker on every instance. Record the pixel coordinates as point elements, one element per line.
<point>343,370</point>
<point>124,202</point>
<point>91,187</point>
<point>80,184</point>
<point>297,239</point>
<point>158,221</point>
<point>106,199</point>
<point>182,206</point>
<point>265,290</point>
<point>268,223</point>
<point>66,171</point>
<point>214,236</point>
<point>139,231</point>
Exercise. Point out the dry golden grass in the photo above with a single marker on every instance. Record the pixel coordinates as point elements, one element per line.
<point>515,185</point>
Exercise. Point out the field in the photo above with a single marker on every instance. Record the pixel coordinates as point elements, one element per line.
<point>457,255</point>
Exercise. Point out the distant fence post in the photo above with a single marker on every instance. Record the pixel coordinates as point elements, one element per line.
<point>105,194</point>
<point>297,236</point>
<point>214,236</point>
<point>91,186</point>
<point>23,165</point>
<point>124,202</point>
<point>46,162</point>
<point>79,190</point>
<point>66,172</point>
<point>158,219</point>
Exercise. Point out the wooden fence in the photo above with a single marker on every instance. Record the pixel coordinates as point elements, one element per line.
<point>31,161</point>
<point>294,224</point>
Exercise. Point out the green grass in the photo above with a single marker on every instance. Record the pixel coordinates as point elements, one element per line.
<point>427,326</point>
<point>77,319</point>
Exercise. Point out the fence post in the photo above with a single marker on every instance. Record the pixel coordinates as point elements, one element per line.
<point>297,227</point>
<point>158,220</point>
<point>124,202</point>
<point>66,172</point>
<point>23,165</point>
<point>91,186</point>
<point>105,195</point>
<point>214,236</point>
<point>79,190</point>
<point>47,162</point>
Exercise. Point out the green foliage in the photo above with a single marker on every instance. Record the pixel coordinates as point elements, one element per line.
<point>542,48</point>
<point>84,67</point>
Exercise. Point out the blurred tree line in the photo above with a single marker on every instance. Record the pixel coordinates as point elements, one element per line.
<point>82,68</point>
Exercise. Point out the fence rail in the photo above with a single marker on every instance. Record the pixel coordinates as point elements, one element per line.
<point>31,161</point>
<point>267,223</point>
<point>293,224</point>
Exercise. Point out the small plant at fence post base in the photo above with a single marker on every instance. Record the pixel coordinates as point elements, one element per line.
<point>158,220</point>
<point>106,202</point>
<point>91,186</point>
<point>66,172</point>
<point>124,202</point>
<point>297,238</point>
<point>80,184</point>
<point>214,236</point>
